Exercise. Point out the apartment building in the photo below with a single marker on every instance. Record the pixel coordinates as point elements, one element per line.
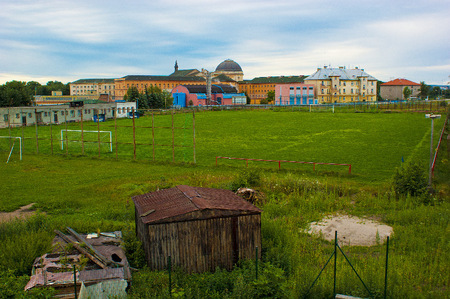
<point>341,85</point>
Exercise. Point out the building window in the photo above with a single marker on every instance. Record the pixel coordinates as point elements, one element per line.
<point>72,113</point>
<point>62,113</point>
<point>5,117</point>
<point>79,112</point>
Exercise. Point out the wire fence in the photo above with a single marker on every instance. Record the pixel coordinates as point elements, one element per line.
<point>145,134</point>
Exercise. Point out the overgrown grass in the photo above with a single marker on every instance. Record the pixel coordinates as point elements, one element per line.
<point>95,193</point>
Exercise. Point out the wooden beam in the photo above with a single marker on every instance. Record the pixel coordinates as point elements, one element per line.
<point>81,249</point>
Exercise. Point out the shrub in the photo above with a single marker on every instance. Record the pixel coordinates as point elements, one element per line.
<point>410,179</point>
<point>246,178</point>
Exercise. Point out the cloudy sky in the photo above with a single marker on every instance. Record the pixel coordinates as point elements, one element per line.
<point>69,40</point>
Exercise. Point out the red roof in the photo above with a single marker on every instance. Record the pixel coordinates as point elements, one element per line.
<point>165,205</point>
<point>401,82</point>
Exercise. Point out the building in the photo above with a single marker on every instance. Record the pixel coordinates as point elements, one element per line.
<point>196,95</point>
<point>341,85</point>
<point>141,82</point>
<point>199,228</point>
<point>230,69</point>
<point>57,114</point>
<point>257,88</point>
<point>294,94</point>
<point>93,87</point>
<point>60,99</point>
<point>393,90</point>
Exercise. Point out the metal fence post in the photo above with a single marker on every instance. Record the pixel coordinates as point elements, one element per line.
<point>169,268</point>
<point>386,270</point>
<point>335,262</point>
<point>256,262</point>
<point>75,282</point>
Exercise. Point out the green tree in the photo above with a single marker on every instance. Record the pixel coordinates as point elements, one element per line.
<point>132,94</point>
<point>249,101</point>
<point>406,92</point>
<point>270,96</point>
<point>424,90</point>
<point>15,94</point>
<point>435,92</point>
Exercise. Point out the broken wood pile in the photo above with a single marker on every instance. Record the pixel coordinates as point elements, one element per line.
<point>79,261</point>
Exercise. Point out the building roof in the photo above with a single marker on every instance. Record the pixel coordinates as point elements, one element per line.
<point>169,204</point>
<point>228,66</point>
<point>276,80</point>
<point>161,78</point>
<point>223,78</point>
<point>183,73</point>
<point>215,88</point>
<point>343,74</point>
<point>400,82</point>
<point>88,81</point>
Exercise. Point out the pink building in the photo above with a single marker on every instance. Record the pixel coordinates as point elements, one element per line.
<point>195,95</point>
<point>294,94</point>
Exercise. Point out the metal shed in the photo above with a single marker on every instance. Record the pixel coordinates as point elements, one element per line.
<point>200,228</point>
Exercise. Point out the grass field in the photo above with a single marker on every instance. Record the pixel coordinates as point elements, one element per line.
<point>90,193</point>
<point>374,144</point>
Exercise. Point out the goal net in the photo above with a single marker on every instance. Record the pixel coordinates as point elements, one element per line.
<point>88,140</point>
<point>10,147</point>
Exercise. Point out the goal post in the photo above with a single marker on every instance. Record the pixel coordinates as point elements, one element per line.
<point>12,147</point>
<point>83,131</point>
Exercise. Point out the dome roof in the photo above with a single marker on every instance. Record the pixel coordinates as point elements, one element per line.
<point>228,66</point>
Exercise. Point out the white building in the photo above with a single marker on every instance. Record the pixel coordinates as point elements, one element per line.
<point>57,114</point>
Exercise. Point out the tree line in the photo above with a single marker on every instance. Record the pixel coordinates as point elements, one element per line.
<point>152,97</point>
<point>427,92</point>
<point>19,93</point>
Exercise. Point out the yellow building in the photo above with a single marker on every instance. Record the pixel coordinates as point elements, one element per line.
<point>257,88</point>
<point>93,87</point>
<point>341,85</point>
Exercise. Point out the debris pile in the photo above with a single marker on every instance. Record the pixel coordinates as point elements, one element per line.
<point>88,265</point>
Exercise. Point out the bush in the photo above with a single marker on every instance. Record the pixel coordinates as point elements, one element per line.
<point>410,179</point>
<point>246,178</point>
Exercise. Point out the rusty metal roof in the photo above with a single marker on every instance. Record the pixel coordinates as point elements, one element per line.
<point>168,204</point>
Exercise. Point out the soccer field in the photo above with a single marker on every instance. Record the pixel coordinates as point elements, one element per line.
<point>373,143</point>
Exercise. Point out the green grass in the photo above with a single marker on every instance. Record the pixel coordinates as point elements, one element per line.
<point>373,144</point>
<point>89,193</point>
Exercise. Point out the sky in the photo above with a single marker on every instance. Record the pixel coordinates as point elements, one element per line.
<point>70,40</point>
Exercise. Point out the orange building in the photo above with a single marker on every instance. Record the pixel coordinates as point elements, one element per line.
<point>141,82</point>
<point>257,88</point>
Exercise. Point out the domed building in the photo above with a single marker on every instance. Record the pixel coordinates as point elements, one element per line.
<point>230,69</point>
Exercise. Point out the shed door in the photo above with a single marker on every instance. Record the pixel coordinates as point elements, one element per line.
<point>235,239</point>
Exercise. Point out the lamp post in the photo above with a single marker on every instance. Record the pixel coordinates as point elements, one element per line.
<point>432,116</point>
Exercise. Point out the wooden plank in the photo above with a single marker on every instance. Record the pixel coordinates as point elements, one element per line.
<point>80,249</point>
<point>95,253</point>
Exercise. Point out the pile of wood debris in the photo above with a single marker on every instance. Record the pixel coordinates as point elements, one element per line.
<point>83,264</point>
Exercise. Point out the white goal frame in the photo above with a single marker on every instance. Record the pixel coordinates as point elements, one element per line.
<point>12,148</point>
<point>64,130</point>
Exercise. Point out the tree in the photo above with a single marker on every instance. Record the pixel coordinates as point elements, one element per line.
<point>249,100</point>
<point>424,90</point>
<point>406,92</point>
<point>270,96</point>
<point>15,94</point>
<point>132,94</point>
<point>435,92</point>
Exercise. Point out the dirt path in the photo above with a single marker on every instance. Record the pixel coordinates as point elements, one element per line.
<point>22,213</point>
<point>352,231</point>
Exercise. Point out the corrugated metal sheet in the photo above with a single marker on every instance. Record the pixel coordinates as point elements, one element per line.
<point>165,205</point>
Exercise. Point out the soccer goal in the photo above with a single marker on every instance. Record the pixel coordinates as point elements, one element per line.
<point>11,145</point>
<point>88,137</point>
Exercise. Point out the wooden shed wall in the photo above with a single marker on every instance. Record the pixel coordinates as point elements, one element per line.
<point>202,245</point>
